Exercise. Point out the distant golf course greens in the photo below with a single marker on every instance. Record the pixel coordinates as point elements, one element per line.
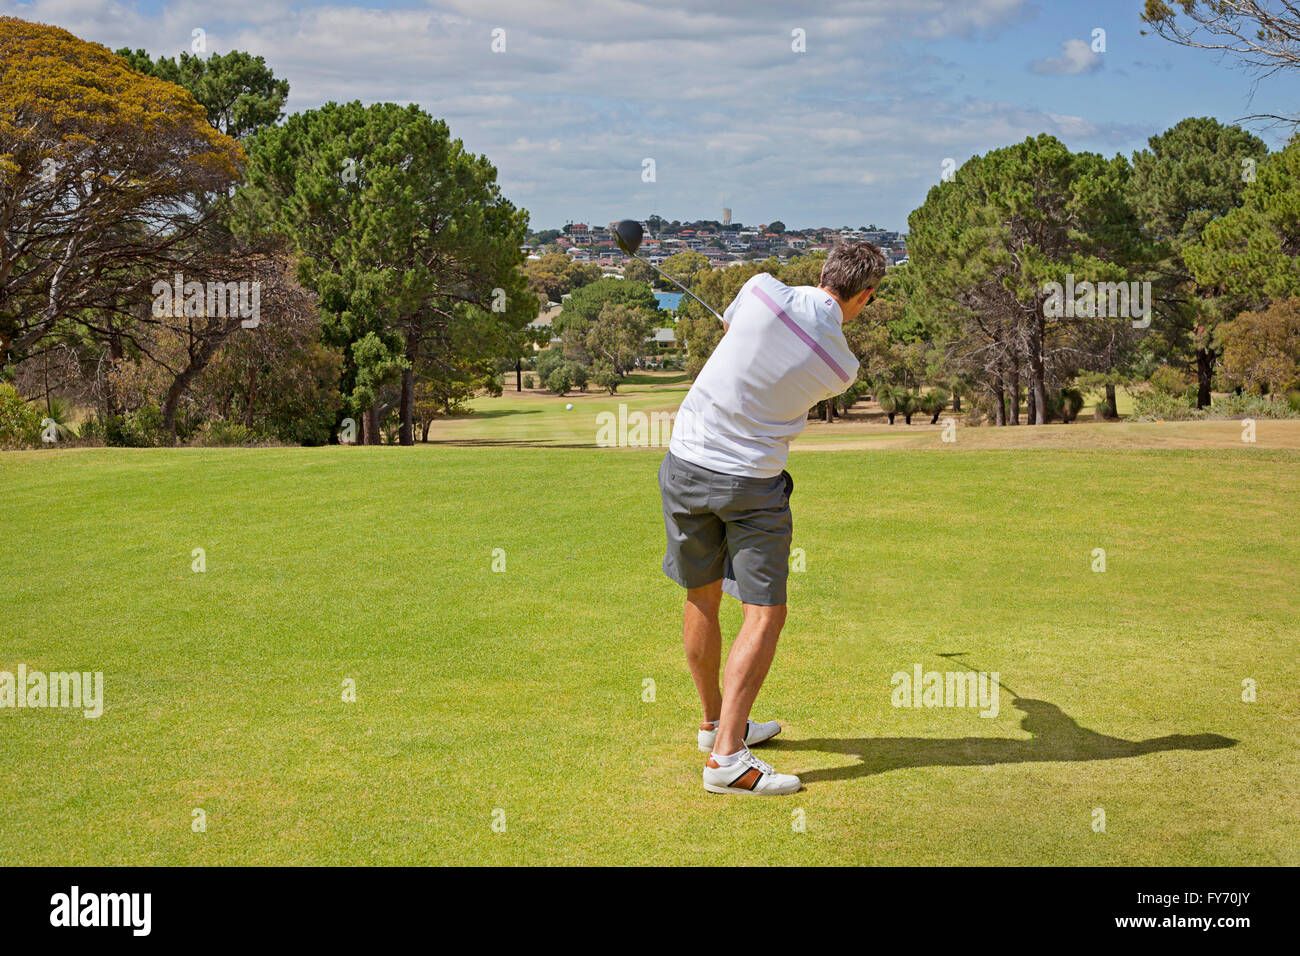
<point>536,417</point>
<point>542,712</point>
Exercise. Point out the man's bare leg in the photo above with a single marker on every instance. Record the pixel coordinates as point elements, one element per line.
<point>747,664</point>
<point>702,636</point>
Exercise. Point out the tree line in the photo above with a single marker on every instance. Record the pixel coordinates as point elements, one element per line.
<point>182,258</point>
<point>179,255</point>
<point>1036,273</point>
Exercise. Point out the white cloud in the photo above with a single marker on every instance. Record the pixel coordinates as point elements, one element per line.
<point>852,128</point>
<point>1076,57</point>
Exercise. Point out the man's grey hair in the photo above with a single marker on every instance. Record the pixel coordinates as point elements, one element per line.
<point>853,267</point>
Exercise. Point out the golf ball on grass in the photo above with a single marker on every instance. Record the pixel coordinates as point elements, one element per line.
<point>568,406</point>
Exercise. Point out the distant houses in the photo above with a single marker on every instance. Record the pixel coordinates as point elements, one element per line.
<point>730,246</point>
<point>663,340</point>
<point>545,320</point>
<point>594,244</point>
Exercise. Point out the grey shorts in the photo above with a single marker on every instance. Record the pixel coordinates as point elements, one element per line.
<point>729,527</point>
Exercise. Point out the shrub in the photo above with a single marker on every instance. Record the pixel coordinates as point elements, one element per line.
<point>60,413</point>
<point>1251,406</point>
<point>1152,405</point>
<point>20,422</point>
<point>139,429</point>
<point>552,361</point>
<point>93,430</point>
<point>145,427</point>
<point>219,432</point>
<point>547,362</point>
<point>1071,403</point>
<point>606,378</point>
<point>887,396</point>
<point>908,402</point>
<point>933,403</point>
<point>188,422</point>
<point>559,381</point>
<point>1170,381</point>
<point>1261,350</point>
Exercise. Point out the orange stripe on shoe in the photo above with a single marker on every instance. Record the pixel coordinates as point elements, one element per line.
<point>748,780</point>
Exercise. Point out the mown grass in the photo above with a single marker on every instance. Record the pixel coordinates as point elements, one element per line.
<point>537,418</point>
<point>522,691</point>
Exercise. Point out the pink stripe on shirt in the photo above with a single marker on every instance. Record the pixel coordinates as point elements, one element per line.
<point>804,337</point>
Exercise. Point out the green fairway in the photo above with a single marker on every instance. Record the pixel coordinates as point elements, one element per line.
<point>538,418</point>
<point>485,696</point>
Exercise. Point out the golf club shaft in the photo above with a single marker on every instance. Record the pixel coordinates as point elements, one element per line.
<point>680,286</point>
<point>999,683</point>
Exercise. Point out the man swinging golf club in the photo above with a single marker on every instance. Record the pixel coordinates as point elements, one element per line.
<point>726,494</point>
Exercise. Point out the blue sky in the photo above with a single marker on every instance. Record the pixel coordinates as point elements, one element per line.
<point>851,130</point>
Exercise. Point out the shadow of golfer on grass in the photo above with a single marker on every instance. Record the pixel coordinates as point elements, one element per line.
<point>1057,737</point>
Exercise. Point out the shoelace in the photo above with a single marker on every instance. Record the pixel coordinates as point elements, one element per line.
<point>753,761</point>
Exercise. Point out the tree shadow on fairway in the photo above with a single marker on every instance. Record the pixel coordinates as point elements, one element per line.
<point>1057,738</point>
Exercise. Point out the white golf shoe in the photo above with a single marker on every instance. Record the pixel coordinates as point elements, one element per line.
<point>748,775</point>
<point>755,733</point>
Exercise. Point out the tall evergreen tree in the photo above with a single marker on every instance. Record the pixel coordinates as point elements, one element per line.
<point>406,238</point>
<point>1189,176</point>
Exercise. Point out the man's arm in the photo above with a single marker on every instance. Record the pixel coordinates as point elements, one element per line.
<point>729,313</point>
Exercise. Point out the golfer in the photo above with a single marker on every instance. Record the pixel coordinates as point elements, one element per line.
<point>726,494</point>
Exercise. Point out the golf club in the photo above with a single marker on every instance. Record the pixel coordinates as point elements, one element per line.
<point>627,234</point>
<point>957,655</point>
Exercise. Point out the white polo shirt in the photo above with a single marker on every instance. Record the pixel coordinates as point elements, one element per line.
<point>783,353</point>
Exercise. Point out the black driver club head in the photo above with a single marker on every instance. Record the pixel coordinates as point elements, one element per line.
<point>627,234</point>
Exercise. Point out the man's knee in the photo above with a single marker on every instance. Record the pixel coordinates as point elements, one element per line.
<point>767,616</point>
<point>706,599</point>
